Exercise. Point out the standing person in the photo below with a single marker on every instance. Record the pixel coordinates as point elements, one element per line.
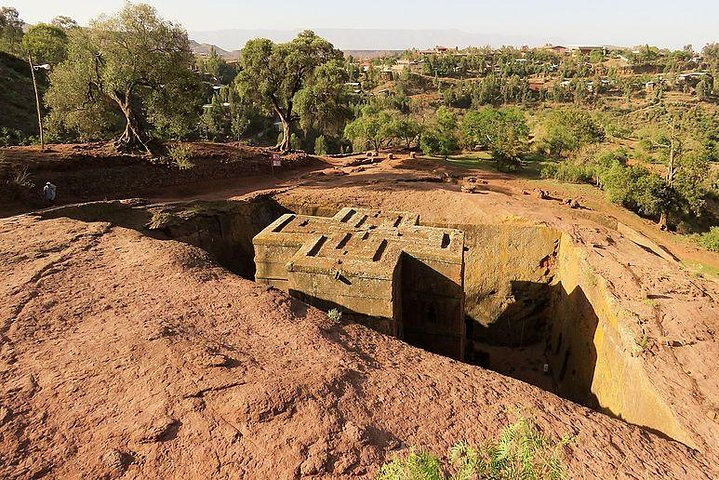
<point>49,191</point>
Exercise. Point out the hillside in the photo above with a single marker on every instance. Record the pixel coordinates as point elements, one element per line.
<point>372,38</point>
<point>205,49</point>
<point>17,99</point>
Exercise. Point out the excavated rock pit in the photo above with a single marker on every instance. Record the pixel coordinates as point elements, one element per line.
<point>535,310</point>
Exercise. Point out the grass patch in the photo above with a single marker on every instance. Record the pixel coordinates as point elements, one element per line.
<point>521,452</point>
<point>180,156</point>
<point>530,168</point>
<point>710,239</point>
<point>478,160</point>
<point>704,270</point>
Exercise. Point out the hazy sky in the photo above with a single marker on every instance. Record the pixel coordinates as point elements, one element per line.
<point>624,22</point>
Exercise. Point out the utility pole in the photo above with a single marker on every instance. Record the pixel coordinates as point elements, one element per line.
<point>37,102</point>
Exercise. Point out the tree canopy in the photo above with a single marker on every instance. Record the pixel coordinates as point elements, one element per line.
<point>324,104</point>
<point>273,75</point>
<point>440,137</point>
<point>64,22</point>
<point>46,43</point>
<point>131,70</point>
<point>217,67</point>
<point>567,130</point>
<point>10,31</point>
<point>504,131</point>
<point>372,128</point>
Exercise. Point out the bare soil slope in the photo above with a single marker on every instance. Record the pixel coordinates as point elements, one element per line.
<point>97,171</point>
<point>126,355</point>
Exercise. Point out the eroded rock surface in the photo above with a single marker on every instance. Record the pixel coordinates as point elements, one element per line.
<point>125,355</point>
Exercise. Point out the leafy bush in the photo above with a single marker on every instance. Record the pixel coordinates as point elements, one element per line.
<point>11,136</point>
<point>504,131</point>
<point>417,466</point>
<point>564,131</point>
<point>335,315</point>
<point>633,186</point>
<point>180,156</point>
<point>567,171</point>
<point>710,239</point>
<point>522,451</point>
<point>636,188</point>
<point>320,145</point>
<point>441,137</point>
<point>295,142</point>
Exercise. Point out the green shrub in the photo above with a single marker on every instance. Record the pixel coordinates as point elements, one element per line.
<point>441,137</point>
<point>567,171</point>
<point>710,239</point>
<point>567,130</point>
<point>522,451</point>
<point>320,145</point>
<point>635,188</point>
<point>180,156</point>
<point>335,315</point>
<point>295,142</point>
<point>11,136</point>
<point>416,466</point>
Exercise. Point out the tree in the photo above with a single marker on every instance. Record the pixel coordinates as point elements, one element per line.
<point>704,88</point>
<point>710,53</point>
<point>685,158</point>
<point>218,68</point>
<point>324,103</point>
<point>10,31</point>
<point>504,131</point>
<point>372,128</point>
<point>273,74</point>
<point>215,120</point>
<point>65,23</point>
<point>488,91</point>
<point>132,69</point>
<point>405,129</point>
<point>568,130</point>
<point>596,56</point>
<point>320,145</point>
<point>46,43</point>
<point>441,137</point>
<point>636,188</point>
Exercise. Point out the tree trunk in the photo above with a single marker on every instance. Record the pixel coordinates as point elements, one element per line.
<point>671,171</point>
<point>284,145</point>
<point>664,220</point>
<point>285,118</point>
<point>131,138</point>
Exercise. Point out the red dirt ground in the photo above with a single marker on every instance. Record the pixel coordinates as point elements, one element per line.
<point>96,171</point>
<point>127,356</point>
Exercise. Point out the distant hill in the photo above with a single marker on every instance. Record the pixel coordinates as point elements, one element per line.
<point>362,54</point>
<point>205,48</point>
<point>372,39</point>
<point>17,97</point>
